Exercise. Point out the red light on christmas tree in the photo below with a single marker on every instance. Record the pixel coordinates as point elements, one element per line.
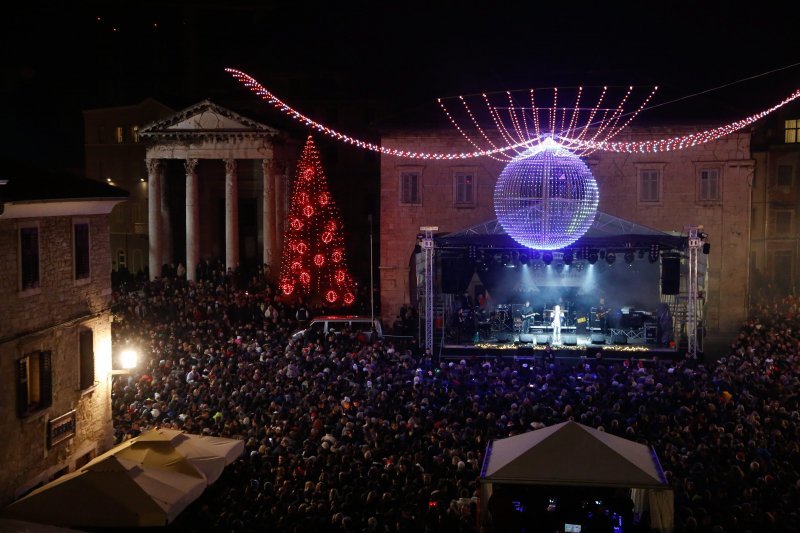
<point>314,262</point>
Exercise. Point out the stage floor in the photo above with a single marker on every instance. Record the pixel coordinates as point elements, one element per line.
<point>617,346</point>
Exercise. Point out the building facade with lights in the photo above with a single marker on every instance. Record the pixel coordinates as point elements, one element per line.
<point>775,234</point>
<point>55,325</point>
<point>708,185</point>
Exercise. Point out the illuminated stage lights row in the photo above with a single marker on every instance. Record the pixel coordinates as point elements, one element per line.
<point>575,143</point>
<point>577,257</point>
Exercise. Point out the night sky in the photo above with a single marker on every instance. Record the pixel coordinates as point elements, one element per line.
<point>62,59</point>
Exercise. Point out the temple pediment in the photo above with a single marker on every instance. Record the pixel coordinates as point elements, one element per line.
<point>204,119</point>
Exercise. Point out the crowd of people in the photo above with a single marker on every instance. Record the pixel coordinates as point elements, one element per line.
<point>346,434</point>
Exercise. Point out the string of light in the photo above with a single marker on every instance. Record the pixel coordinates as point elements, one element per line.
<point>679,142</point>
<point>576,144</point>
<point>252,84</point>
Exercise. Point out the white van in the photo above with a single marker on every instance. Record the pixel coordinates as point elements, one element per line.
<point>336,323</point>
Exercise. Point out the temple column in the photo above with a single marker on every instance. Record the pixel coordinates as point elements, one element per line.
<point>167,250</point>
<point>154,191</point>
<point>192,220</point>
<point>231,215</point>
<point>270,243</point>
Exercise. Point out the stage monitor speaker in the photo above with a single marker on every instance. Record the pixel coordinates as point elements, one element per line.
<point>651,333</point>
<point>542,339</point>
<point>598,338</point>
<point>505,337</point>
<point>526,337</point>
<point>619,338</point>
<point>670,273</point>
<point>569,339</point>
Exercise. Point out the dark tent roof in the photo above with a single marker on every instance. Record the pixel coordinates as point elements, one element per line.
<point>606,231</point>
<point>20,182</point>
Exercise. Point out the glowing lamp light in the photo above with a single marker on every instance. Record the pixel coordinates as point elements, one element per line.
<point>327,237</point>
<point>319,260</point>
<point>340,276</point>
<point>308,211</point>
<point>287,288</point>
<point>337,256</point>
<point>128,358</point>
<point>331,296</point>
<point>305,278</point>
<point>349,298</point>
<point>547,198</point>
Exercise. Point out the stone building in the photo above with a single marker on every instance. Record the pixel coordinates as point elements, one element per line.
<point>55,324</point>
<point>707,185</point>
<point>115,154</point>
<point>775,240</point>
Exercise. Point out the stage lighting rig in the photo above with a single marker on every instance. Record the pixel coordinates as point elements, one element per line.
<point>547,258</point>
<point>629,257</point>
<point>611,257</point>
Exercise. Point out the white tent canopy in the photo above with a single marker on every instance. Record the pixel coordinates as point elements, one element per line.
<point>208,454</point>
<point>145,481</point>
<point>111,492</point>
<point>571,454</point>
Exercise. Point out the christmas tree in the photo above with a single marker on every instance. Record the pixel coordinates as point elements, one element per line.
<point>314,262</point>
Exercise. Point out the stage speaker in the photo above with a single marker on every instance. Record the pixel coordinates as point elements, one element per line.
<point>542,339</point>
<point>619,338</point>
<point>526,337</point>
<point>651,333</point>
<point>504,336</point>
<point>598,338</point>
<point>670,273</point>
<point>569,339</point>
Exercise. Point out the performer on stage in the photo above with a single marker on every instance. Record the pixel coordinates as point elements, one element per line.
<point>466,324</point>
<point>558,318</point>
<point>601,312</point>
<point>526,314</point>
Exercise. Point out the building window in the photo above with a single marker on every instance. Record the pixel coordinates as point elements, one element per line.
<point>81,250</point>
<point>784,177</point>
<point>135,133</point>
<point>409,188</point>
<point>792,131</point>
<point>709,185</point>
<point>86,345</point>
<point>783,269</point>
<point>122,259</point>
<point>119,134</point>
<point>29,258</point>
<point>782,221</point>
<point>650,185</point>
<point>34,383</point>
<point>464,188</point>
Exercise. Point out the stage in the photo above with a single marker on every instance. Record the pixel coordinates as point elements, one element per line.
<point>617,345</point>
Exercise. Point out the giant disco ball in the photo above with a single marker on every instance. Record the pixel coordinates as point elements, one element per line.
<point>546,198</point>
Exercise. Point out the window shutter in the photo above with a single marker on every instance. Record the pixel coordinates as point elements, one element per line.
<point>22,387</point>
<point>86,359</point>
<point>46,379</point>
